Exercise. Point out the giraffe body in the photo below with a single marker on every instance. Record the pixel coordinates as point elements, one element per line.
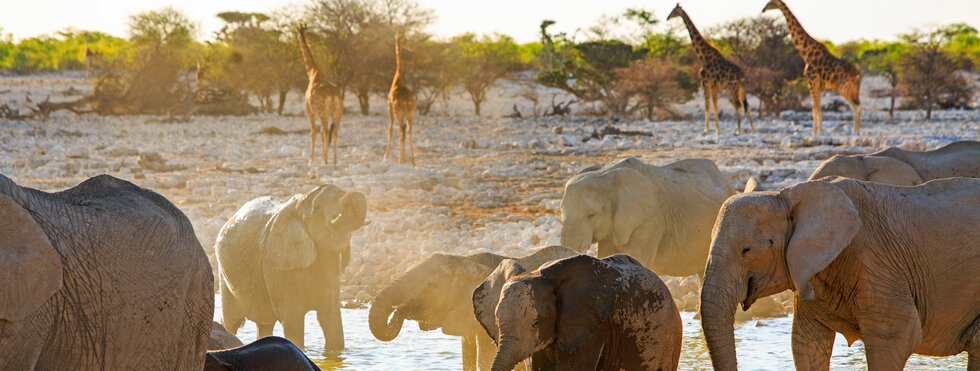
<point>717,74</point>
<point>324,102</point>
<point>823,71</point>
<point>401,109</point>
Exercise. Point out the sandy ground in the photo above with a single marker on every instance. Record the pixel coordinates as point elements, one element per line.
<point>482,184</point>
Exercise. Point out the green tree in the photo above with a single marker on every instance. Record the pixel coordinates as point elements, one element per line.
<point>164,46</point>
<point>882,59</point>
<point>929,74</point>
<point>482,61</point>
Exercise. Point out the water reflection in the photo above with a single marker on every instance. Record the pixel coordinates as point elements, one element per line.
<point>762,345</point>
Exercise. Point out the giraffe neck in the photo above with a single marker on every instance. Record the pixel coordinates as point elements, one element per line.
<point>701,46</point>
<point>398,63</point>
<point>312,70</point>
<point>802,41</point>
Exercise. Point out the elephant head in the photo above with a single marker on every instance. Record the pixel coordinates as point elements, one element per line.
<point>607,207</point>
<point>435,292</point>
<point>565,301</point>
<point>767,242</point>
<point>30,267</point>
<point>319,221</point>
<point>878,169</point>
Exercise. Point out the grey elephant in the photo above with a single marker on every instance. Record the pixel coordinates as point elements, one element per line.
<point>86,274</point>
<point>901,167</point>
<point>892,266</point>
<point>660,215</point>
<point>221,338</point>
<point>279,260</point>
<point>437,293</point>
<point>581,313</point>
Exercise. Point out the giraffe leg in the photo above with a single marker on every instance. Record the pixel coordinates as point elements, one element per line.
<point>737,104</point>
<point>402,137</point>
<point>745,107</point>
<point>338,114</point>
<point>312,117</point>
<point>856,107</point>
<point>714,108</point>
<point>707,108</point>
<point>411,141</point>
<point>391,128</point>
<point>815,93</point>
<point>325,136</point>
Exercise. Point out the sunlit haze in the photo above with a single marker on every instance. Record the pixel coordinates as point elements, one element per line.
<point>835,20</point>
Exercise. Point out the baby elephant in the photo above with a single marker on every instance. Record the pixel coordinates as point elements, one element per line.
<point>268,353</point>
<point>581,313</point>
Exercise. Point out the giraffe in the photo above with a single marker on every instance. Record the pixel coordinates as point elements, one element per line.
<point>323,100</point>
<point>823,70</point>
<point>401,108</point>
<point>717,73</point>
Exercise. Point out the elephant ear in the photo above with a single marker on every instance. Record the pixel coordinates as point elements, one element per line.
<point>586,291</point>
<point>824,222</point>
<point>287,245</point>
<point>633,200</point>
<point>30,267</point>
<point>888,170</point>
<point>487,295</point>
<point>353,212</point>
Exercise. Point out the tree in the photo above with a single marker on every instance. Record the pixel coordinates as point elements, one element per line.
<point>882,59</point>
<point>656,84</point>
<point>481,61</point>
<point>773,69</point>
<point>929,74</point>
<point>589,72</point>
<point>163,43</point>
<point>359,37</point>
<point>431,71</point>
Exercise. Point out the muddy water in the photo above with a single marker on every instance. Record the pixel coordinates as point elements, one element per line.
<point>762,345</point>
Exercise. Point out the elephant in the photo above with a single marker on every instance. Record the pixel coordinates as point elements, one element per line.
<point>268,353</point>
<point>278,260</point>
<point>221,338</point>
<point>878,169</point>
<point>892,266</point>
<point>660,215</point>
<point>87,273</point>
<point>437,292</point>
<point>581,313</point>
<point>958,159</point>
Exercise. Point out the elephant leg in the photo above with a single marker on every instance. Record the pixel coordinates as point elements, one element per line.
<point>973,346</point>
<point>333,328</point>
<point>265,329</point>
<point>813,342</point>
<point>292,327</point>
<point>973,364</point>
<point>486,350</point>
<point>232,315</point>
<point>890,335</point>
<point>469,352</point>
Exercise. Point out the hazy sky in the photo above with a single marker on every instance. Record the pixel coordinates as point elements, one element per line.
<point>824,19</point>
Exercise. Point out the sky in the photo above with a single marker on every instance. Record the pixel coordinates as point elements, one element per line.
<point>824,19</point>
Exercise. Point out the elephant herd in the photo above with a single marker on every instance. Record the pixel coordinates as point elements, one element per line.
<point>882,248</point>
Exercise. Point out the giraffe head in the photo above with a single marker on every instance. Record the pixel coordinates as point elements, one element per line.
<point>677,12</point>
<point>773,5</point>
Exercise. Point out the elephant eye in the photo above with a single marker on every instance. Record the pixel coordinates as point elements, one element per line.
<point>535,324</point>
<point>745,250</point>
<point>771,243</point>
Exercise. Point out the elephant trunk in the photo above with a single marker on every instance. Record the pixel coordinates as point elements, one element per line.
<point>400,292</point>
<point>576,236</point>
<point>719,296</point>
<point>353,206</point>
<point>509,354</point>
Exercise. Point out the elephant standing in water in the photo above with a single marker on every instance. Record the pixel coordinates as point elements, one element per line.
<point>437,292</point>
<point>279,260</point>
<point>660,215</point>
<point>895,267</point>
<point>581,313</point>
<point>105,275</point>
<point>900,167</point>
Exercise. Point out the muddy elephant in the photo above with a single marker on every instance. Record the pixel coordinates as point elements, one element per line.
<point>268,353</point>
<point>901,167</point>
<point>102,276</point>
<point>278,260</point>
<point>660,215</point>
<point>885,264</point>
<point>581,313</point>
<point>437,293</point>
